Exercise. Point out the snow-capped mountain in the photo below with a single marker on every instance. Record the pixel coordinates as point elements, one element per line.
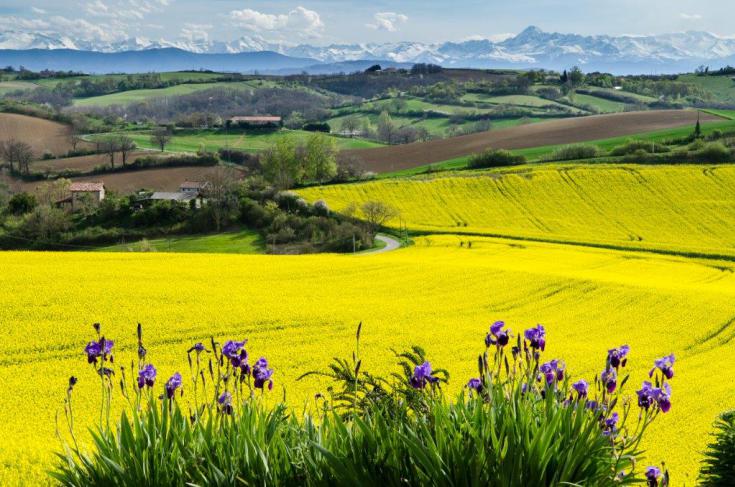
<point>530,48</point>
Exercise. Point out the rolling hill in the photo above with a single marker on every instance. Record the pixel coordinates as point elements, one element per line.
<point>684,209</point>
<point>565,131</point>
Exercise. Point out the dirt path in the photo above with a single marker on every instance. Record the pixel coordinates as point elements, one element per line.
<point>565,131</point>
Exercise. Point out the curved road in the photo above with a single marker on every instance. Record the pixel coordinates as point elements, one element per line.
<point>390,244</point>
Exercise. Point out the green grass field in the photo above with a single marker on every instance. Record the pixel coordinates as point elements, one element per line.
<point>525,101</point>
<point>212,140</point>
<point>603,105</point>
<point>630,94</point>
<point>132,96</point>
<point>437,127</point>
<point>721,87</point>
<point>11,86</point>
<point>728,114</point>
<point>242,242</point>
<point>181,76</point>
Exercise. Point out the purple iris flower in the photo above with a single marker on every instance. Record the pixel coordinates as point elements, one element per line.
<point>198,348</point>
<point>100,349</point>
<point>497,335</point>
<point>649,395</point>
<point>645,395</point>
<point>232,350</point>
<point>475,385</point>
<point>172,384</point>
<point>146,376</point>
<point>106,372</point>
<point>262,374</point>
<point>652,476</point>
<point>72,382</point>
<point>618,356</point>
<point>422,376</point>
<point>610,425</point>
<point>663,397</point>
<point>665,365</point>
<point>610,380</point>
<point>536,337</point>
<point>225,401</point>
<point>553,370</point>
<point>581,387</point>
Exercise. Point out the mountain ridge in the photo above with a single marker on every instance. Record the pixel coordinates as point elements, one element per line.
<point>531,48</point>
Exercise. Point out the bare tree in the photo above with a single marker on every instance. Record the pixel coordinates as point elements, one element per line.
<point>18,155</point>
<point>161,137</point>
<point>350,125</point>
<point>377,214</point>
<point>110,146</point>
<point>219,192</point>
<point>79,126</point>
<point>126,145</point>
<point>75,139</point>
<point>50,192</point>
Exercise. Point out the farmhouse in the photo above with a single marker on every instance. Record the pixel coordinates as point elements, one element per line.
<point>178,196</point>
<point>190,192</point>
<point>82,194</point>
<point>255,121</point>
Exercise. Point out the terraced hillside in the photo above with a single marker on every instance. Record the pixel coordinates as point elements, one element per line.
<point>686,208</point>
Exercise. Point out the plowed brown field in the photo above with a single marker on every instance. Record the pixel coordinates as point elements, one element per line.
<point>566,131</point>
<point>165,179</point>
<point>42,135</point>
<point>82,163</point>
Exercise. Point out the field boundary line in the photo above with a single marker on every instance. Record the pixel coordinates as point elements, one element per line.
<point>622,248</point>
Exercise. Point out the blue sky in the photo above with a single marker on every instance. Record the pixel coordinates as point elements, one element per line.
<point>347,21</point>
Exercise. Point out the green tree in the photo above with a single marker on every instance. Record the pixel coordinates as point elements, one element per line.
<point>698,129</point>
<point>281,164</point>
<point>161,137</point>
<point>576,77</point>
<point>21,203</point>
<point>386,128</point>
<point>320,158</point>
<point>350,124</point>
<point>46,223</point>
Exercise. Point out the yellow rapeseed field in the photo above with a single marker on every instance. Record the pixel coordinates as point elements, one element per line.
<point>299,311</point>
<point>682,208</point>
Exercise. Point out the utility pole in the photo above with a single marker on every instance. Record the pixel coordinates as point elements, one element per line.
<point>354,244</point>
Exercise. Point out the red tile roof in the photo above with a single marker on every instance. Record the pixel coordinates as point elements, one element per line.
<point>86,187</point>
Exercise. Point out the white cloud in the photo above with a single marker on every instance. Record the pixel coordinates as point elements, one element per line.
<point>124,9</point>
<point>300,21</point>
<point>387,21</point>
<point>38,11</point>
<point>195,32</point>
<point>491,38</point>
<point>97,8</point>
<point>80,29</point>
<point>690,16</point>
